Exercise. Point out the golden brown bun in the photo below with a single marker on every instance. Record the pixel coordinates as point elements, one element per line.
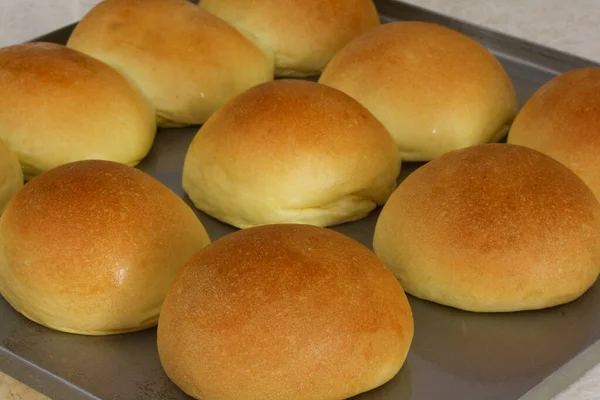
<point>92,247</point>
<point>433,88</point>
<point>301,35</point>
<point>11,176</point>
<point>492,228</point>
<point>185,60</point>
<point>59,105</point>
<point>561,120</point>
<point>290,151</point>
<point>291,312</point>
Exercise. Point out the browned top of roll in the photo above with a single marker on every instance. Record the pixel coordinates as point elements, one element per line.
<point>282,312</point>
<point>85,196</point>
<point>514,193</point>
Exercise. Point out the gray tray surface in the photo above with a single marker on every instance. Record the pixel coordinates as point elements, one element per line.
<point>455,354</point>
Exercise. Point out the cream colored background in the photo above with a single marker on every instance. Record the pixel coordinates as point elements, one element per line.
<point>21,20</point>
<point>571,26</point>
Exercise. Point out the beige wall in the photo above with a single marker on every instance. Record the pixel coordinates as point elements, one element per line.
<point>22,20</point>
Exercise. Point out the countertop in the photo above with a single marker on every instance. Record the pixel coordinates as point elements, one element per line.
<point>570,26</point>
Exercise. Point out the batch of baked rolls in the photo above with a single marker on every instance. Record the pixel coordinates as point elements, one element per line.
<point>285,308</point>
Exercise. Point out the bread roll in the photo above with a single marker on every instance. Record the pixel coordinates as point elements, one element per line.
<point>284,312</point>
<point>492,228</point>
<point>92,247</point>
<point>185,60</point>
<point>562,120</point>
<point>300,35</point>
<point>59,105</point>
<point>290,151</point>
<point>11,176</point>
<point>433,88</point>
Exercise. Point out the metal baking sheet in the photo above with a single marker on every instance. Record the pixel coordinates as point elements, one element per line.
<point>455,354</point>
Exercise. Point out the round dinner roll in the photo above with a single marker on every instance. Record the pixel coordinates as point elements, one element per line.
<point>300,35</point>
<point>492,228</point>
<point>562,120</point>
<point>186,61</point>
<point>290,151</point>
<point>11,175</point>
<point>92,247</point>
<point>59,105</point>
<point>433,88</point>
<point>292,312</point>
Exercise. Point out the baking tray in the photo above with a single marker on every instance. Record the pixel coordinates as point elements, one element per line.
<point>455,354</point>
